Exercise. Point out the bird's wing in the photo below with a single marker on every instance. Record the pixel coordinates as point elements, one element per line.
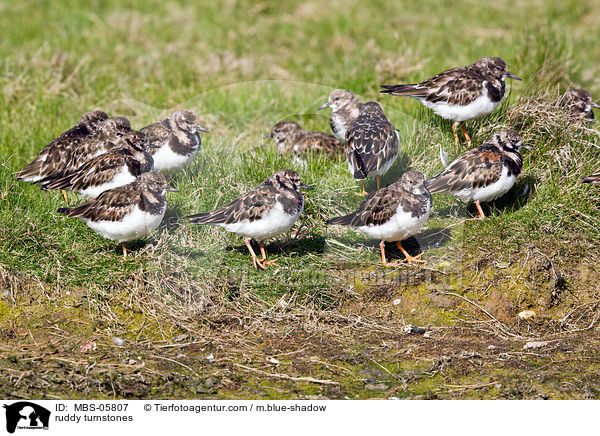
<point>375,210</point>
<point>250,206</point>
<point>457,86</point>
<point>111,205</point>
<point>474,169</point>
<point>370,143</point>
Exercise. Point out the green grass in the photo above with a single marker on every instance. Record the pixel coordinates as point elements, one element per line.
<point>242,68</point>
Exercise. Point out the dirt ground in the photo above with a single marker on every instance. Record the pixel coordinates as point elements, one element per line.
<point>409,334</point>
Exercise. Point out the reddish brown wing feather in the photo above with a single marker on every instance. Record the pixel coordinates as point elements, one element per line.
<point>375,210</point>
<point>457,86</point>
<point>111,205</point>
<point>156,134</point>
<point>370,143</point>
<point>308,142</point>
<point>476,168</point>
<point>95,172</point>
<point>250,206</point>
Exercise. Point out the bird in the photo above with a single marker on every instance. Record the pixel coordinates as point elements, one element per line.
<point>579,103</point>
<point>593,178</point>
<point>125,213</point>
<point>393,214</point>
<point>371,144</point>
<point>484,173</point>
<point>345,109</point>
<point>262,213</point>
<point>117,167</point>
<point>174,141</point>
<point>52,155</point>
<point>291,138</point>
<point>462,93</point>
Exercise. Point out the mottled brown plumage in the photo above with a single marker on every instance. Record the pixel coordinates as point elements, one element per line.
<point>52,157</point>
<point>393,213</point>
<point>592,178</point>
<point>483,173</point>
<point>459,86</point>
<point>579,103</point>
<point>462,93</point>
<point>282,187</point>
<point>265,212</point>
<point>147,193</point>
<point>371,143</point>
<point>291,138</point>
<point>174,141</point>
<point>103,172</point>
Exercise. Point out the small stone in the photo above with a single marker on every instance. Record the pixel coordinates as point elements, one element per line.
<point>210,357</point>
<point>118,341</point>
<point>273,360</point>
<point>376,387</point>
<point>411,329</point>
<point>535,344</point>
<point>526,314</point>
<point>491,347</point>
<point>397,301</point>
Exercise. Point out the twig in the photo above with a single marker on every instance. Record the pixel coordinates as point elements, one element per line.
<point>178,363</point>
<point>500,325</point>
<point>287,377</point>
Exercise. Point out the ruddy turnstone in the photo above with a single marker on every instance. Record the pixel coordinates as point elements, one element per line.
<point>115,168</point>
<point>462,93</point>
<point>176,141</point>
<point>371,144</point>
<point>483,173</point>
<point>263,213</point>
<point>593,178</point>
<point>52,156</point>
<point>291,138</point>
<point>345,109</point>
<point>128,212</point>
<point>393,213</point>
<point>580,104</point>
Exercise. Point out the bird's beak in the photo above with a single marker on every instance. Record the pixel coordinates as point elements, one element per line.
<point>596,105</point>
<point>305,186</point>
<point>323,106</point>
<point>201,129</point>
<point>171,189</point>
<point>267,136</point>
<point>512,76</point>
<point>149,145</point>
<point>528,147</point>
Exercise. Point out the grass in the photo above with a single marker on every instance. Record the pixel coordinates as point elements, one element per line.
<point>330,312</point>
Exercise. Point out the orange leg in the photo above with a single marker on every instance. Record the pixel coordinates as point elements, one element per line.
<point>124,250</point>
<point>467,137</point>
<point>378,182</point>
<point>64,193</point>
<point>480,210</point>
<point>264,260</point>
<point>409,259</point>
<point>455,130</point>
<point>363,192</point>
<point>384,261</point>
<point>256,262</point>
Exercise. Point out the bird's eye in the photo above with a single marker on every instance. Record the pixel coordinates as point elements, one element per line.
<point>337,99</point>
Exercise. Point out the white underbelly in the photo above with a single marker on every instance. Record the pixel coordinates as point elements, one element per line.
<point>481,107</point>
<point>120,179</point>
<point>135,225</point>
<point>270,225</point>
<point>168,162</point>
<point>401,226</point>
<point>490,192</point>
